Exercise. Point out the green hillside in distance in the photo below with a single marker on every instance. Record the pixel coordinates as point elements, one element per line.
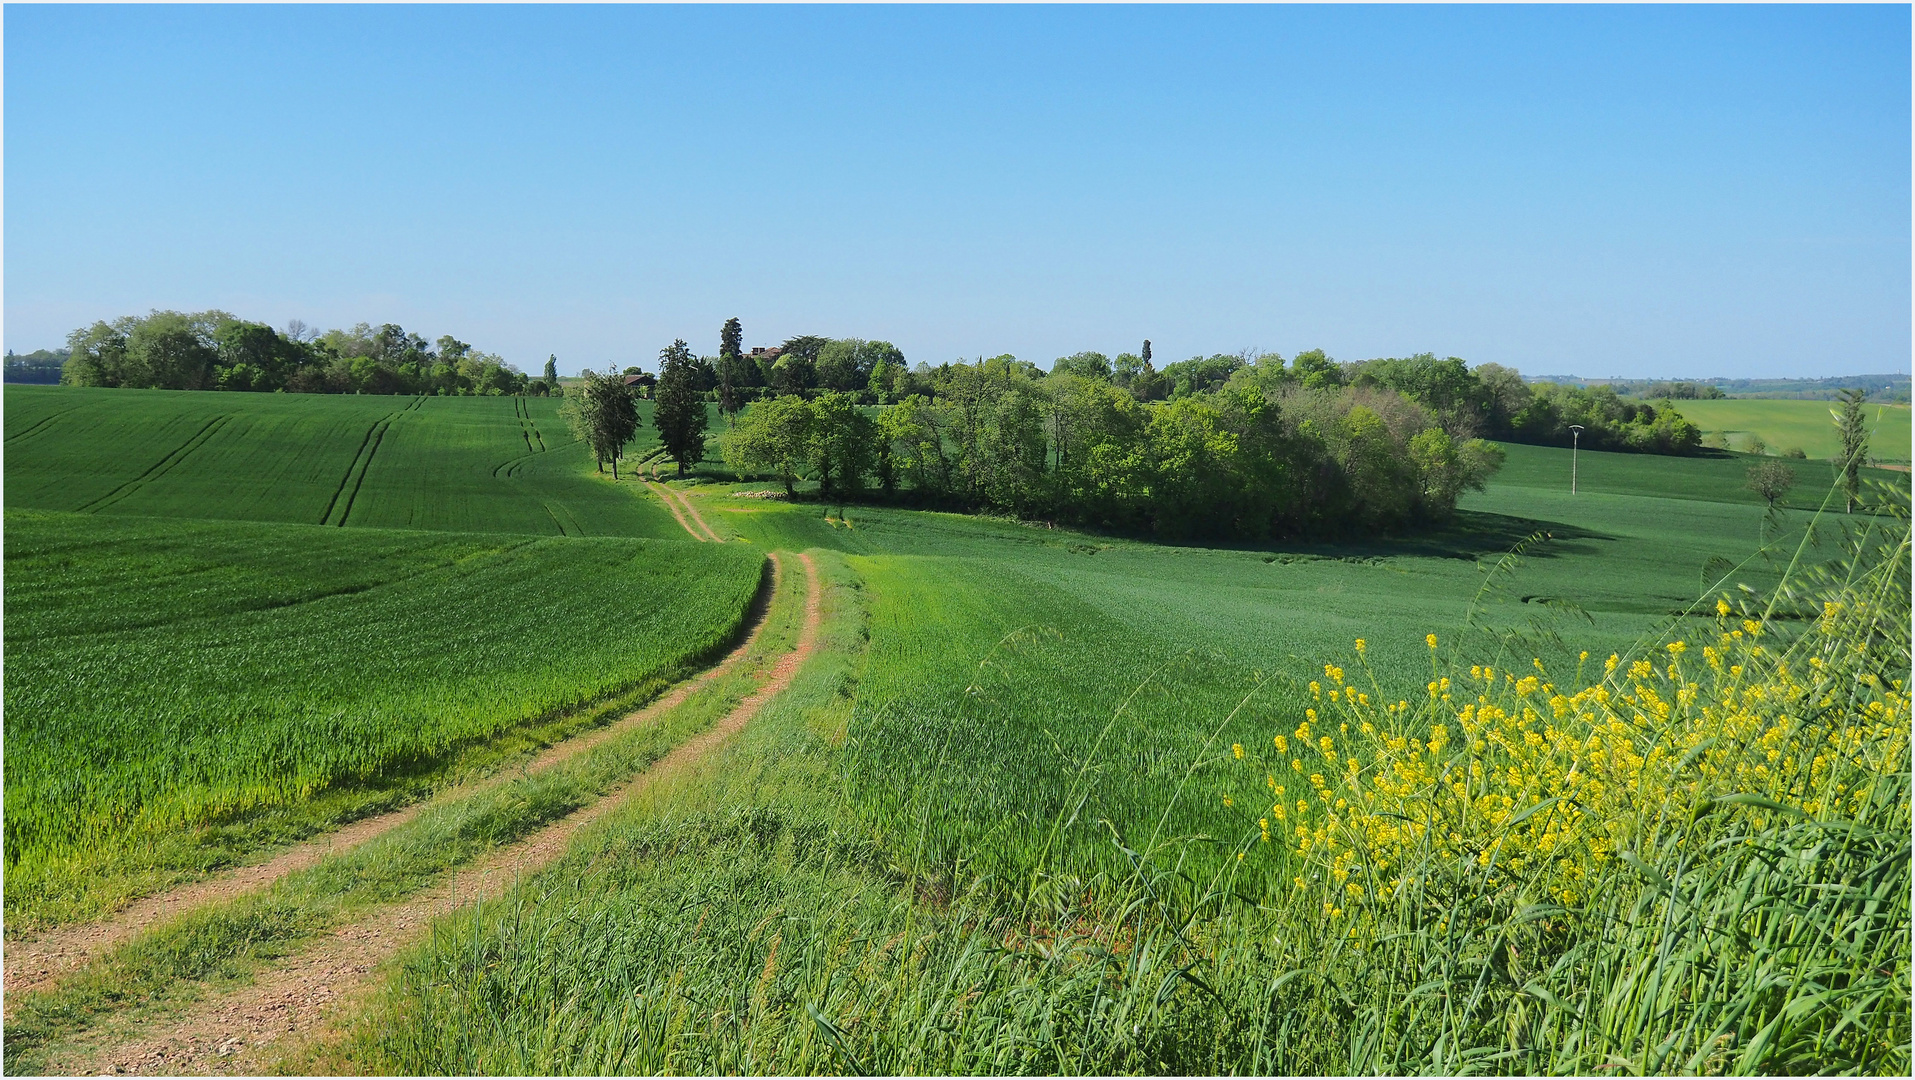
<point>474,464</point>
<point>1804,425</point>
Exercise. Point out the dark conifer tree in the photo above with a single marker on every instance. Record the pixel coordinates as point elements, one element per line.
<point>680,415</point>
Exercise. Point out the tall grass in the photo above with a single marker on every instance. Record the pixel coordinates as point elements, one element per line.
<point>752,919</point>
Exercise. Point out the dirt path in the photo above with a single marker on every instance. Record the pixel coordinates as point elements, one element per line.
<point>687,514</point>
<point>692,509</point>
<point>662,492</point>
<point>242,1031</point>
<point>37,960</point>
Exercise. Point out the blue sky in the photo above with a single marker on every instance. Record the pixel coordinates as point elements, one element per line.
<point>1637,191</point>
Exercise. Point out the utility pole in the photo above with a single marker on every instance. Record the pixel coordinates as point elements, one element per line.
<point>1575,444</point>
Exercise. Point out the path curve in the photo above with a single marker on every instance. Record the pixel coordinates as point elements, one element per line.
<point>681,507</point>
<point>233,1033</point>
<point>37,960</point>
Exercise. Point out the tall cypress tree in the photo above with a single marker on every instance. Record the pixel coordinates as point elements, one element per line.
<point>1852,421</point>
<point>680,415</point>
<point>731,344</point>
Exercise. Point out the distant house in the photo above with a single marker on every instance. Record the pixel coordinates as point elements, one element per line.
<point>765,352</point>
<point>641,379</point>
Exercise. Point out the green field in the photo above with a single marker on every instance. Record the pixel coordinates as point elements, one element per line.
<point>471,464</point>
<point>1034,850</point>
<point>1803,425</point>
<point>998,825</point>
<point>170,676</point>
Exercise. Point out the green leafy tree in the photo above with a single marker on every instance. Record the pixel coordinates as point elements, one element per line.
<point>1446,469</point>
<point>552,370</point>
<point>171,351</point>
<point>792,374</point>
<point>680,415</point>
<point>96,355</point>
<point>838,365</point>
<point>603,414</point>
<point>1851,420</point>
<point>913,436</point>
<point>1089,365</point>
<point>772,435</point>
<point>1315,370</point>
<point>1771,480</point>
<point>887,379</point>
<point>843,443</point>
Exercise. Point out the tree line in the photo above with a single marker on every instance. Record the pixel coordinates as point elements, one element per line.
<point>214,350</point>
<point>1235,461</point>
<point>1487,401</point>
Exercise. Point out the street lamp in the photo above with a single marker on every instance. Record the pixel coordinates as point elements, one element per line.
<point>1575,444</point>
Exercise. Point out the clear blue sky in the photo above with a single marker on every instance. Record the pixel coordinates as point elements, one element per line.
<point>1638,191</point>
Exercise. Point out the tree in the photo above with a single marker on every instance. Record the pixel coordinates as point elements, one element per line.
<point>552,370</point>
<point>773,435</point>
<point>1091,365</point>
<point>1146,353</point>
<point>603,414</point>
<point>730,344</point>
<point>838,365</point>
<point>731,338</point>
<point>1852,422</point>
<point>842,443</point>
<point>792,374</point>
<point>1771,480</point>
<point>170,351</point>
<point>96,356</point>
<point>680,415</point>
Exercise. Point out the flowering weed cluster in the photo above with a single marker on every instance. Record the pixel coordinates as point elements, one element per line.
<point>1693,857</point>
<point>1544,785</point>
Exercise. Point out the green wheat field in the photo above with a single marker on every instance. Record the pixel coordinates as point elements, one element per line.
<point>1608,781</point>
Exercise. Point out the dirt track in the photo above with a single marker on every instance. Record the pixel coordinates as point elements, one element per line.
<point>681,507</point>
<point>240,1032</point>
<point>37,960</point>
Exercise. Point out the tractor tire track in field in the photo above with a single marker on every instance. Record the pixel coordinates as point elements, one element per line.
<point>158,469</point>
<point>378,428</point>
<point>687,514</point>
<point>37,961</point>
<point>362,461</point>
<point>320,986</point>
<point>37,427</point>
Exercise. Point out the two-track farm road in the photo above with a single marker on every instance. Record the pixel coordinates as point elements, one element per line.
<point>236,1032</point>
<point>37,960</point>
<point>681,507</point>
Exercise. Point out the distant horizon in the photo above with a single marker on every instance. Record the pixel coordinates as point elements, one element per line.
<point>1528,376</point>
<point>1622,190</point>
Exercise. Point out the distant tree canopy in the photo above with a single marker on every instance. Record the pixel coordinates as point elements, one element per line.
<point>214,350</point>
<point>1489,401</point>
<point>1233,462</point>
<point>38,366</point>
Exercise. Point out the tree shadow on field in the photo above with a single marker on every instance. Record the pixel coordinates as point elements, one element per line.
<point>1470,534</point>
